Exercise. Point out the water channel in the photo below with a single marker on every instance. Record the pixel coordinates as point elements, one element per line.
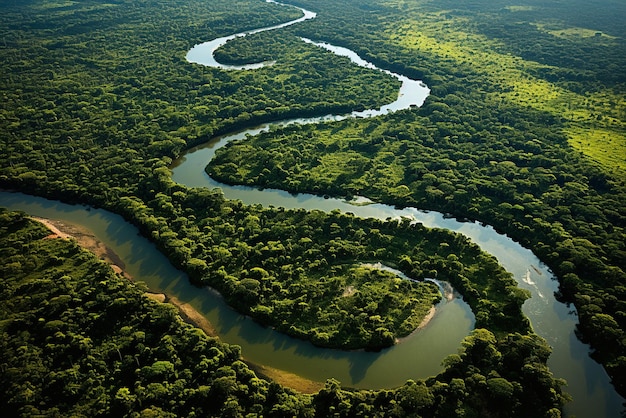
<point>417,356</point>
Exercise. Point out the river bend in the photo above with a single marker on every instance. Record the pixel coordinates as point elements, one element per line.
<point>419,355</point>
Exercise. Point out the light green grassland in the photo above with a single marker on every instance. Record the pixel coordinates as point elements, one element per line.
<point>595,123</point>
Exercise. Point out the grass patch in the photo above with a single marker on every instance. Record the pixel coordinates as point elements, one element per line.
<point>519,8</point>
<point>608,147</point>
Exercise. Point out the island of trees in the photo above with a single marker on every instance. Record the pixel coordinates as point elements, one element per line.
<point>522,132</point>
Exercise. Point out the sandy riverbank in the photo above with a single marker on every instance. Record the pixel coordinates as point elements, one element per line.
<point>287,379</point>
<point>290,380</point>
<point>85,239</point>
<point>427,318</point>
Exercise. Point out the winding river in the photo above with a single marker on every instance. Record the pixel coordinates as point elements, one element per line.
<point>419,355</point>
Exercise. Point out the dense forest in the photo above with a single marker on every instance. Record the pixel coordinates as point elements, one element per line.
<point>78,339</point>
<point>98,99</point>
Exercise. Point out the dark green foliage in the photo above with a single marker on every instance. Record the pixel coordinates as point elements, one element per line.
<point>478,382</point>
<point>104,99</point>
<point>88,108</point>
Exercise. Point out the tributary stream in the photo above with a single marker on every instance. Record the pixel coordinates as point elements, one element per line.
<point>417,356</point>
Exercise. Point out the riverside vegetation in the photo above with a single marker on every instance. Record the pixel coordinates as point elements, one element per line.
<point>98,99</point>
<point>79,339</point>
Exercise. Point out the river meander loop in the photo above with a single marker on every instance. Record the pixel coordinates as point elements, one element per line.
<point>587,381</point>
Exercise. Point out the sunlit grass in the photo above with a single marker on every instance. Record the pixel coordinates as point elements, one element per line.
<point>555,29</point>
<point>519,8</point>
<point>608,147</point>
<point>69,6</point>
<point>55,4</point>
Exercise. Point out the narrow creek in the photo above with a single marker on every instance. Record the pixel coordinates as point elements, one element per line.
<point>419,355</point>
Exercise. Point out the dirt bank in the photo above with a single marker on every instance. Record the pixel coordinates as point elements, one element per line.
<point>86,239</point>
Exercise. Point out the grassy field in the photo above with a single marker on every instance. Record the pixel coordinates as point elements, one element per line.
<point>594,122</point>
